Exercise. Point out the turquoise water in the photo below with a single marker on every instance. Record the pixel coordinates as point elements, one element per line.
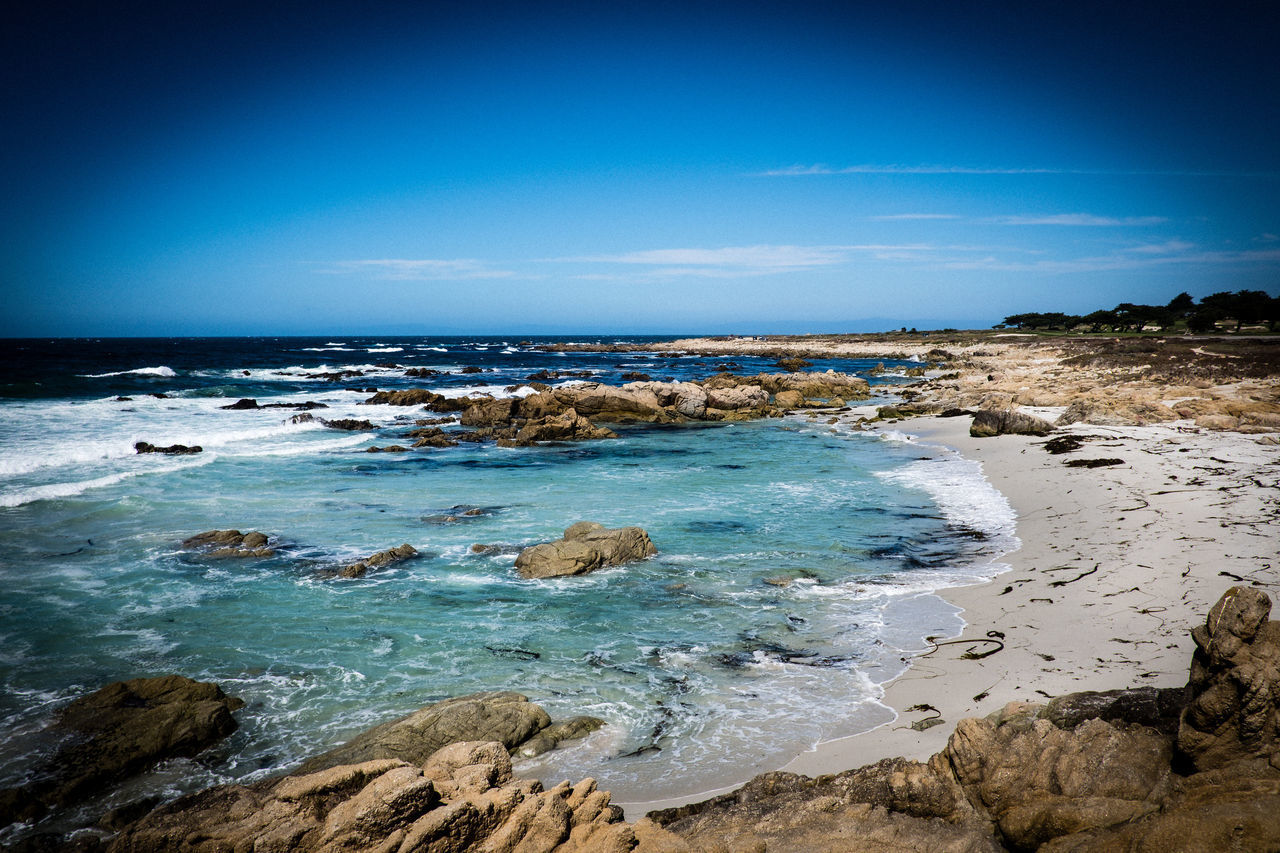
<point>705,671</point>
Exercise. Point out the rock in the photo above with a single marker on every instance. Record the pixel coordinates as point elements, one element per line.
<point>490,412</point>
<point>349,424</point>
<point>1218,422</point>
<point>792,365</point>
<point>509,718</point>
<point>390,448</point>
<point>586,546</point>
<point>738,398</point>
<point>547,739</point>
<point>606,403</point>
<point>388,557</point>
<point>172,450</point>
<point>243,403</point>
<point>987,422</point>
<point>421,372</point>
<point>1234,684</point>
<point>230,543</point>
<point>788,399</point>
<point>569,426</point>
<point>119,731</point>
<point>462,798</point>
<point>633,376</point>
<point>1116,413</point>
<point>420,397</point>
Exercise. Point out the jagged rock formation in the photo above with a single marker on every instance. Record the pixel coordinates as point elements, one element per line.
<point>586,546</point>
<point>462,798</point>
<point>1088,772</point>
<point>119,731</point>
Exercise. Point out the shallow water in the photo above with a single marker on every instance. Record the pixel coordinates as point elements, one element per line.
<point>793,576</point>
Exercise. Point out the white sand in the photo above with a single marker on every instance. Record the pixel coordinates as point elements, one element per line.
<point>1166,531</point>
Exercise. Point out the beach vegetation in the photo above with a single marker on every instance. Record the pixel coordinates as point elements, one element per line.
<point>1217,312</point>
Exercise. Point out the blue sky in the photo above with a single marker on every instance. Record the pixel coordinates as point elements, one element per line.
<point>174,169</point>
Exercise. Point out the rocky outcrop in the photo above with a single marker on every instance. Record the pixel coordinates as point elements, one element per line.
<point>1116,413</point>
<point>360,568</point>
<point>586,546</point>
<point>230,543</point>
<point>1087,772</point>
<point>508,718</point>
<point>633,402</point>
<point>989,422</point>
<point>349,424</point>
<point>171,450</point>
<point>462,798</point>
<point>568,426</point>
<point>1235,684</point>
<point>429,400</point>
<point>119,731</point>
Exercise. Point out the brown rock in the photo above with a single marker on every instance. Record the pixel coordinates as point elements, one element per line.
<point>375,561</point>
<point>1234,683</point>
<point>987,422</point>
<point>586,546</point>
<point>119,731</point>
<point>568,426</point>
<point>508,718</point>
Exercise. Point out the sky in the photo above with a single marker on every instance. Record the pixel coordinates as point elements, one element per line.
<point>214,168</point>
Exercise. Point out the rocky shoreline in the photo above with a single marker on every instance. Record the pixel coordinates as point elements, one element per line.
<point>1194,768</point>
<point>1024,777</point>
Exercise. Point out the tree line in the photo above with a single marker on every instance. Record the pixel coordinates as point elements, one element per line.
<point>1243,307</point>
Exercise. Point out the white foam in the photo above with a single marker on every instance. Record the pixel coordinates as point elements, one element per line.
<point>162,371</point>
<point>52,491</point>
<point>961,491</point>
<point>385,349</point>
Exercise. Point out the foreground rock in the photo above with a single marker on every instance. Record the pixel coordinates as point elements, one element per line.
<point>462,797</point>
<point>586,546</point>
<point>119,731</point>
<point>1088,772</point>
<point>230,543</point>
<point>508,718</point>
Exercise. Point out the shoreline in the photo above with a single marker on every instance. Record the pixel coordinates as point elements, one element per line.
<point>1185,505</point>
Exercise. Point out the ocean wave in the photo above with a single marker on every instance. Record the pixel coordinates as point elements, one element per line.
<point>161,371</point>
<point>53,491</point>
<point>385,349</point>
<point>962,492</point>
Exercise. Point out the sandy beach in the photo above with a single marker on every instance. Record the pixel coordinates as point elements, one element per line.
<point>1116,564</point>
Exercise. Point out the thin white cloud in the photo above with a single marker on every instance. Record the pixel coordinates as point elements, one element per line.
<point>801,169</point>
<point>1123,260</point>
<point>904,217</point>
<point>729,261</point>
<point>1080,219</point>
<point>420,269</point>
<point>1166,248</point>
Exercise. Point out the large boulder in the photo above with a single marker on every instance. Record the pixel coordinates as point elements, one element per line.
<point>420,397</point>
<point>738,398</point>
<point>586,546</point>
<point>490,412</point>
<point>607,403</point>
<point>1234,684</point>
<point>120,731</point>
<point>989,422</point>
<point>1116,413</point>
<point>509,718</point>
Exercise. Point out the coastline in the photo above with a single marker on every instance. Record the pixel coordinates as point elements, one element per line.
<point>1185,506</point>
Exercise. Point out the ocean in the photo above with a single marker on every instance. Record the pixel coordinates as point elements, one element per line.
<point>796,571</point>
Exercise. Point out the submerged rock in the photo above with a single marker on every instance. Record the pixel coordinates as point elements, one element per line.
<point>379,560</point>
<point>230,543</point>
<point>119,731</point>
<point>349,424</point>
<point>586,546</point>
<point>171,450</point>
